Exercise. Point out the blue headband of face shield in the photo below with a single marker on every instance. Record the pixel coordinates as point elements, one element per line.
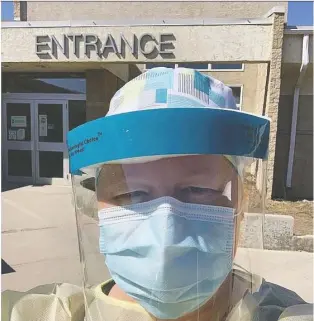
<point>179,131</point>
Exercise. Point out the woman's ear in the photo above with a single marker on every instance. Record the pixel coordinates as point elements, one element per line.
<point>238,195</point>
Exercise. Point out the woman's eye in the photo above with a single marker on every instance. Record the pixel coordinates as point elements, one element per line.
<point>200,190</point>
<point>198,195</point>
<point>130,198</point>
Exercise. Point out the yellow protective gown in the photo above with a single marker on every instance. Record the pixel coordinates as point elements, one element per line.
<point>65,302</point>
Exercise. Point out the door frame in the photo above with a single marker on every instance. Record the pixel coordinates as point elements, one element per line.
<point>13,145</point>
<point>40,96</point>
<point>50,146</point>
<point>32,98</point>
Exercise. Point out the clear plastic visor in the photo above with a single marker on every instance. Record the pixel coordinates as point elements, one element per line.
<point>168,237</point>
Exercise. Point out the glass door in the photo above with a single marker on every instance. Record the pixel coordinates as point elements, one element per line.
<point>18,141</point>
<point>51,157</point>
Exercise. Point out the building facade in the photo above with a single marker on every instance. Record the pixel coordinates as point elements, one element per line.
<point>63,61</point>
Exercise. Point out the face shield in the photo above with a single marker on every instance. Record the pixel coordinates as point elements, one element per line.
<point>161,201</point>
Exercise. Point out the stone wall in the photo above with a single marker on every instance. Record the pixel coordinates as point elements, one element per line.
<point>272,232</point>
<point>273,93</point>
<point>17,10</point>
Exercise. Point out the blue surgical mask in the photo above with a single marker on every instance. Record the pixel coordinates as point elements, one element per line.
<point>170,256</point>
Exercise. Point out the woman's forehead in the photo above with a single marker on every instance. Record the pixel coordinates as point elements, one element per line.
<point>177,166</point>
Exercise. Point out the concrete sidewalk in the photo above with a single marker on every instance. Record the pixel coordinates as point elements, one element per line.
<point>39,241</point>
<point>39,238</point>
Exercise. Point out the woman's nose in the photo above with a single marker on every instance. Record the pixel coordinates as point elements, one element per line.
<point>161,190</point>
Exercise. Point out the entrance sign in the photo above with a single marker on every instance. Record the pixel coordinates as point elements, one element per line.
<point>149,45</point>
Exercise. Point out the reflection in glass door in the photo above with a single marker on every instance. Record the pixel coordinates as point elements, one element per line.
<point>18,146</point>
<point>51,151</point>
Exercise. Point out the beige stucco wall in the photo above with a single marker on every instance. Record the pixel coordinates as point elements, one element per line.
<point>247,79</point>
<point>192,43</point>
<point>75,10</point>
<point>252,79</point>
<point>261,85</point>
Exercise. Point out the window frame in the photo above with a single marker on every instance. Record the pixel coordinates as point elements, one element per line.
<point>42,76</point>
<point>209,67</point>
<point>241,93</point>
<point>241,69</point>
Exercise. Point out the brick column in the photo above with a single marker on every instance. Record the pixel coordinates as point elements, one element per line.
<point>16,10</point>
<point>19,10</point>
<point>273,92</point>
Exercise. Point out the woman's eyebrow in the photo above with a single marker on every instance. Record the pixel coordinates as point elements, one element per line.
<point>110,190</point>
<point>121,186</point>
<point>208,169</point>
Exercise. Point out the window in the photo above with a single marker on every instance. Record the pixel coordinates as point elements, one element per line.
<point>226,66</point>
<point>199,66</point>
<point>20,163</point>
<point>194,65</point>
<point>159,64</point>
<point>61,83</point>
<point>237,92</point>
